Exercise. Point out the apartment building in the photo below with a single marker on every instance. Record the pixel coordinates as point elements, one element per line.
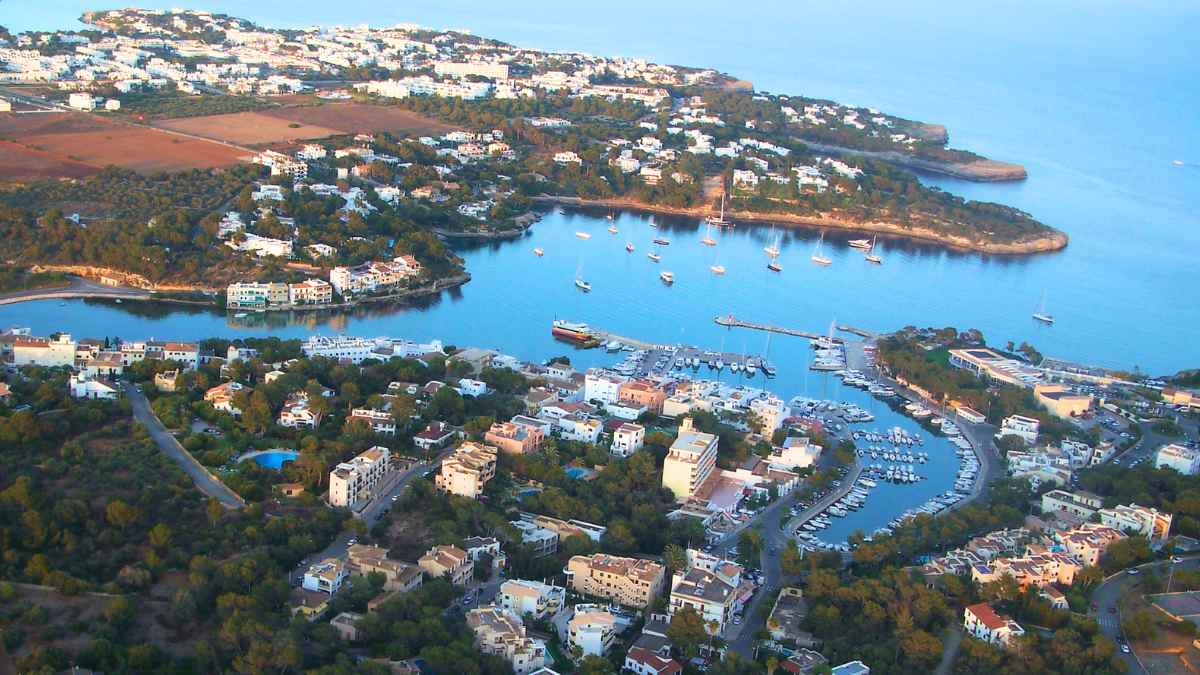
<point>711,596</point>
<point>591,630</point>
<point>770,412</point>
<point>311,292</point>
<point>442,560</point>
<point>398,576</point>
<point>256,294</point>
<point>982,622</point>
<point>542,541</point>
<point>603,386</point>
<point>796,452</point>
<point>1141,520</point>
<point>1181,458</point>
<point>626,581</point>
<point>373,276</point>
<point>533,598</point>
<point>1080,504</point>
<point>514,438</point>
<point>36,351</point>
<point>353,481</point>
<point>628,439</point>
<point>468,470</point>
<point>690,461</point>
<point>642,394</point>
<point>379,421</point>
<point>1088,542</point>
<point>1037,569</point>
<point>500,633</point>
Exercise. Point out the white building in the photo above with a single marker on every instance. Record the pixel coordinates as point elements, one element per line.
<point>603,386</point>
<point>355,480</point>
<point>1025,428</point>
<point>469,387</point>
<point>81,100</point>
<point>591,630</point>
<point>500,633</point>
<point>711,596</point>
<point>83,386</point>
<point>468,470</point>
<point>326,576</point>
<point>983,623</point>
<point>1181,458</point>
<point>690,461</point>
<point>770,412</point>
<point>1142,520</point>
<point>797,452</point>
<point>533,598</point>
<point>379,421</point>
<point>628,439</point>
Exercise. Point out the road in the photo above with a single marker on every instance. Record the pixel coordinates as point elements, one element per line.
<point>1105,599</point>
<point>206,481</point>
<point>78,288</point>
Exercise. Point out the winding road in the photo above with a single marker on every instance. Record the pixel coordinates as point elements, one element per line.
<point>206,481</point>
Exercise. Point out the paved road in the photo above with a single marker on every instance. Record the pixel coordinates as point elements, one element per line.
<point>1106,595</point>
<point>204,480</point>
<point>78,288</point>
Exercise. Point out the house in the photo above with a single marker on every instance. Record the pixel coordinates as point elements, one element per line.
<point>851,668</point>
<point>398,576</point>
<point>642,661</point>
<point>468,470</point>
<point>591,630</point>
<point>803,662</point>
<point>711,596</point>
<point>378,421</point>
<point>797,453</point>
<point>221,397</point>
<point>690,461</point>
<point>326,576</point>
<point>166,381</point>
<point>626,581</point>
<point>435,435</point>
<point>289,489</point>
<point>579,428</point>
<point>982,622</point>
<point>442,560</point>
<point>479,547</point>
<point>531,598</point>
<point>1179,457</point>
<point>297,414</point>
<point>542,541</point>
<point>603,386</point>
<point>85,387</point>
<point>628,439</point>
<point>500,633</point>
<point>469,387</point>
<point>345,625</point>
<point>1055,597</point>
<point>351,482</point>
<point>1025,428</point>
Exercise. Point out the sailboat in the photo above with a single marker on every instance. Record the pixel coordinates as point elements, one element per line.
<point>872,256</point>
<point>774,265</point>
<point>667,277</point>
<point>653,255</point>
<point>717,267</point>
<point>772,249</point>
<point>539,252</point>
<point>612,229</point>
<point>629,246</point>
<point>583,235</point>
<point>1041,314</point>
<point>719,221</point>
<point>817,257</point>
<point>579,282</point>
<point>708,239</point>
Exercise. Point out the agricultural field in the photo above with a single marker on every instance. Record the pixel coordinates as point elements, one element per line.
<point>353,118</point>
<point>248,128</point>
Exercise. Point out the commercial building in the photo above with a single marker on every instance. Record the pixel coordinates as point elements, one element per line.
<point>628,439</point>
<point>982,622</point>
<point>533,598</point>
<point>442,560</point>
<point>1061,401</point>
<point>689,462</point>
<point>1181,458</point>
<point>468,470</point>
<point>500,633</point>
<point>256,294</point>
<point>993,366</point>
<point>626,581</point>
<point>353,481</point>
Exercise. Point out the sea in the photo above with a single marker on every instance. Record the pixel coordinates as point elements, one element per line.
<point>1097,100</point>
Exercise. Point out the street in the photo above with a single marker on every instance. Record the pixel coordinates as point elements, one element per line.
<point>1107,594</point>
<point>206,481</point>
<point>77,288</point>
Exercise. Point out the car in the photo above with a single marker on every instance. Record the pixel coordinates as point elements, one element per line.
<point>395,497</point>
<point>1125,648</point>
<point>353,541</point>
<point>1132,571</point>
<point>737,620</point>
<point>1176,559</point>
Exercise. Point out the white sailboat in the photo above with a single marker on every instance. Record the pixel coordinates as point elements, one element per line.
<point>719,221</point>
<point>717,267</point>
<point>817,257</point>
<point>872,256</point>
<point>579,281</point>
<point>772,249</point>
<point>708,238</point>
<point>1041,314</point>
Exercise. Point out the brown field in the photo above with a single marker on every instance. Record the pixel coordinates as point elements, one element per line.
<point>19,127</point>
<point>352,118</point>
<point>247,128</point>
<point>18,162</point>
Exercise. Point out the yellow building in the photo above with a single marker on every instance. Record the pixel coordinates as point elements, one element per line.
<point>626,581</point>
<point>1061,401</point>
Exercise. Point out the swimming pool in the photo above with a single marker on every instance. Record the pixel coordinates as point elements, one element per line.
<point>275,458</point>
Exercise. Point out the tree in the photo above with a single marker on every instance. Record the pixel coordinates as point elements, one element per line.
<point>1140,626</point>
<point>160,536</point>
<point>675,557</point>
<point>687,632</point>
<point>120,514</point>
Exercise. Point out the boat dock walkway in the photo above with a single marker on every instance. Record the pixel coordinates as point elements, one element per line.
<point>604,336</point>
<point>730,321</point>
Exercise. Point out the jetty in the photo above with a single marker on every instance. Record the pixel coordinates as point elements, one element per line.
<point>730,321</point>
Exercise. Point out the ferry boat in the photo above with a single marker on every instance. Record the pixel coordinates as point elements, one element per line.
<point>569,330</point>
<point>539,252</point>
<point>717,269</point>
<point>583,285</point>
<point>612,229</point>
<point>719,221</point>
<point>662,241</point>
<point>860,243</point>
<point>583,235</point>
<point>654,256</point>
<point>667,277</point>
<point>817,257</point>
<point>629,246</point>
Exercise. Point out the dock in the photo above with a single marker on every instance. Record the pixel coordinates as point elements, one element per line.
<point>730,321</point>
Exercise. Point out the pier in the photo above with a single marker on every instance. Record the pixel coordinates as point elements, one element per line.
<point>731,321</point>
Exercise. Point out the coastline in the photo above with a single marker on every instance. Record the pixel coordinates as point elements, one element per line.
<point>982,170</point>
<point>1051,241</point>
<point>523,222</point>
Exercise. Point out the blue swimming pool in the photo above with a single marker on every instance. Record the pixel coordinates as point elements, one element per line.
<point>275,458</point>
